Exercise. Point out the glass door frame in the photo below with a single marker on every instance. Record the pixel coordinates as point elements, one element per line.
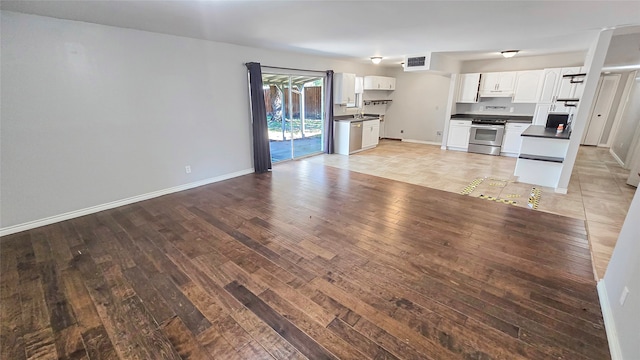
<point>275,78</point>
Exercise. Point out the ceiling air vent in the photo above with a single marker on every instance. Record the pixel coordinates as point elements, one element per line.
<point>417,63</point>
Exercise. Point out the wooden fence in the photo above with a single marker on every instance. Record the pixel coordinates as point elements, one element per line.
<point>312,102</point>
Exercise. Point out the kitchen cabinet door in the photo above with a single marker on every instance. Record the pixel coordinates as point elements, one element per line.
<point>341,135</point>
<point>507,81</point>
<point>370,133</point>
<point>379,83</point>
<point>528,86</point>
<point>550,80</point>
<point>359,85</point>
<point>344,89</point>
<point>392,83</point>
<point>541,113</point>
<point>567,89</point>
<point>498,84</point>
<point>459,134</point>
<point>468,88</point>
<point>512,139</point>
<point>490,82</point>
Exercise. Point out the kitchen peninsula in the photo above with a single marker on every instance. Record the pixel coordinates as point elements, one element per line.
<point>542,156</point>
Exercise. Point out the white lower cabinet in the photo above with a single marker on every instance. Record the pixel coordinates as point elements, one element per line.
<point>458,137</point>
<point>370,133</point>
<point>512,139</point>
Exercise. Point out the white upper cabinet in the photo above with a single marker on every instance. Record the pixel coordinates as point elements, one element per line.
<point>567,89</point>
<point>468,85</point>
<point>528,86</point>
<point>550,80</point>
<point>359,84</point>
<point>344,89</point>
<point>379,83</point>
<point>556,86</point>
<point>499,84</point>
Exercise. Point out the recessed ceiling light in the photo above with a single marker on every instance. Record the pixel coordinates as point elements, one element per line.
<point>509,53</point>
<point>376,59</point>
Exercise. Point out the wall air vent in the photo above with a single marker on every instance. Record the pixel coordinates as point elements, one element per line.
<point>417,63</point>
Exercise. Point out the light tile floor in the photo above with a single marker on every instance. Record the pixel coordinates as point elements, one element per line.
<point>597,192</point>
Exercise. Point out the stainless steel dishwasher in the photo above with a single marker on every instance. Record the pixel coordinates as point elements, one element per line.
<point>355,136</point>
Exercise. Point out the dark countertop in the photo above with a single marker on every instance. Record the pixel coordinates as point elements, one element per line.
<point>351,118</point>
<point>509,118</point>
<point>548,133</point>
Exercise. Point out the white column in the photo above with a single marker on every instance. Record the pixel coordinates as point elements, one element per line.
<point>593,66</point>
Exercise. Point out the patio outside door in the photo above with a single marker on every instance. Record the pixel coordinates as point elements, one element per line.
<point>295,114</point>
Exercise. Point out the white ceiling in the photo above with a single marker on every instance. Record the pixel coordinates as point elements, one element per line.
<point>357,30</point>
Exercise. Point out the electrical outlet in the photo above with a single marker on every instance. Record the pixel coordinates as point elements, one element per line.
<point>511,109</point>
<point>187,169</point>
<point>438,133</point>
<point>623,296</point>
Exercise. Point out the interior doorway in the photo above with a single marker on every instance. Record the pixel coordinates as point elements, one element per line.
<point>607,87</point>
<point>295,115</point>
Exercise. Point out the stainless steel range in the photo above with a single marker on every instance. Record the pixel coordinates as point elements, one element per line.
<point>486,136</point>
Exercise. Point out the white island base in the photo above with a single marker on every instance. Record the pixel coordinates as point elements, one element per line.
<point>541,157</point>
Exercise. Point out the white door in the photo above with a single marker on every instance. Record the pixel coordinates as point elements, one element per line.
<point>607,87</point>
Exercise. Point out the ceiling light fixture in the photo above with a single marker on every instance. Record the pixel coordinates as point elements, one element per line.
<point>376,59</point>
<point>509,53</point>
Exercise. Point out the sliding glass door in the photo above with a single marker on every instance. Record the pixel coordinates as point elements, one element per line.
<point>295,114</point>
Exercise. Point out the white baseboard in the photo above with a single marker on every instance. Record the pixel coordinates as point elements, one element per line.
<point>422,142</point>
<point>616,157</point>
<point>110,205</point>
<point>609,324</point>
<point>560,190</point>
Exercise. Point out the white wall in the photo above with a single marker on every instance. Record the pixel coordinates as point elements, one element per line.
<point>419,106</point>
<point>624,270</point>
<point>523,62</point>
<point>93,114</point>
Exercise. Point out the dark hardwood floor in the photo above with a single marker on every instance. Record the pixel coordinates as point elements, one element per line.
<point>305,262</point>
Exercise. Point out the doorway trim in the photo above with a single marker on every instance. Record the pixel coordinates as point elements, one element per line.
<point>596,103</point>
<point>622,107</point>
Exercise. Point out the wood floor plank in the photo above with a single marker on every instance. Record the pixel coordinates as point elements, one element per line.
<point>363,344</point>
<point>216,346</point>
<point>61,315</point>
<point>153,301</point>
<point>40,344</point>
<point>69,343</point>
<point>183,340</point>
<point>316,331</point>
<point>268,338</point>
<point>180,304</point>
<point>98,344</point>
<point>233,332</point>
<point>301,341</point>
<point>11,328</point>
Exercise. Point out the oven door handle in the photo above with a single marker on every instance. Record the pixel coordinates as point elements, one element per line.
<point>487,127</point>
